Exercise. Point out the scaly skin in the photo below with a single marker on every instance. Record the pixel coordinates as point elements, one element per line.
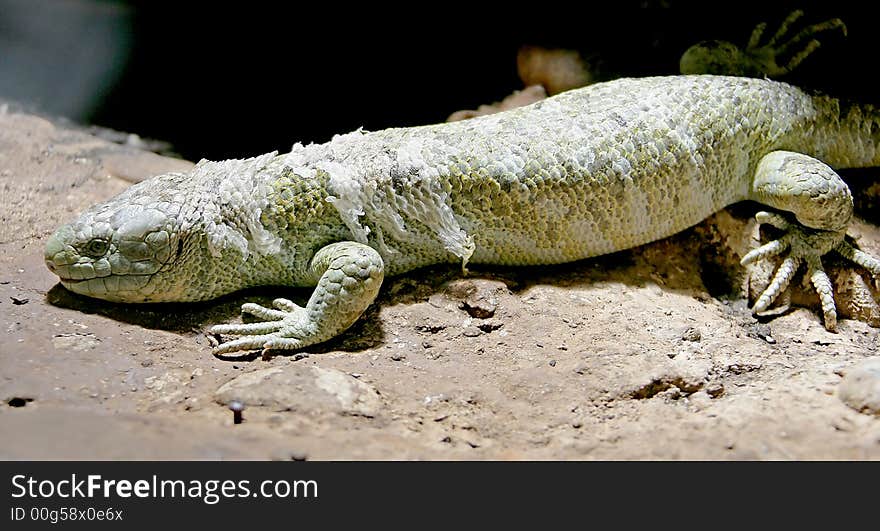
<point>587,172</point>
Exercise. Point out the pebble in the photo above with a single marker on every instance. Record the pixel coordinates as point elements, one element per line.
<point>691,334</point>
<point>715,389</point>
<point>478,297</point>
<point>860,387</point>
<point>472,331</point>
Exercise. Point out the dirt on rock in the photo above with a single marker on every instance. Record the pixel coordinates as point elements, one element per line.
<point>649,353</point>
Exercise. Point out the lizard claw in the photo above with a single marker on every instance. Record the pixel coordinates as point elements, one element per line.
<point>804,246</point>
<point>278,330</point>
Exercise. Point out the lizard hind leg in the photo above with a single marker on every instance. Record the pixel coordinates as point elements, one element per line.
<point>349,276</point>
<point>822,206</point>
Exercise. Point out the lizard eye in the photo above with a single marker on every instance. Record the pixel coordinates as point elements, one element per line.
<point>96,247</point>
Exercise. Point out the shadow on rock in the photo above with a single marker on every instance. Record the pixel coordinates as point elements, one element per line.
<point>196,317</point>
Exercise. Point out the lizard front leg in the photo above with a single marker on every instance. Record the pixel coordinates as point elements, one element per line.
<point>823,207</point>
<point>349,276</point>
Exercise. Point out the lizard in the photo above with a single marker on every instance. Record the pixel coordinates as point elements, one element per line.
<point>587,172</point>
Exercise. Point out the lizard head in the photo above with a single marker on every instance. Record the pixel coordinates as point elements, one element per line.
<point>132,248</point>
<point>176,237</point>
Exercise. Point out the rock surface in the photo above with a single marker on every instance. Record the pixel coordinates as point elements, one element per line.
<point>298,387</point>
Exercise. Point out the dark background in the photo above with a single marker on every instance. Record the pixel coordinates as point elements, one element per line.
<point>221,80</point>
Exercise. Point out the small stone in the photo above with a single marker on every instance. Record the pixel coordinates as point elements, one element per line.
<point>552,363</point>
<point>691,334</point>
<point>860,387</point>
<point>479,311</point>
<point>472,331</point>
<point>478,297</point>
<point>18,301</point>
<point>715,389</point>
<point>761,331</point>
<point>398,356</point>
<point>147,363</point>
<point>577,424</point>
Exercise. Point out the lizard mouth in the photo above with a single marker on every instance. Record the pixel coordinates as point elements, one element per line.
<point>63,279</point>
<point>114,288</point>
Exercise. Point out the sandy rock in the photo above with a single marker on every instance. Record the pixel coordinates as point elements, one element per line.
<point>299,387</point>
<point>860,388</point>
<point>75,342</point>
<point>555,69</point>
<point>681,378</point>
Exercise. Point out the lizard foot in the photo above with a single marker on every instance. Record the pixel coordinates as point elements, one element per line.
<point>768,53</point>
<point>756,59</point>
<point>282,328</point>
<point>805,245</point>
<point>349,276</point>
